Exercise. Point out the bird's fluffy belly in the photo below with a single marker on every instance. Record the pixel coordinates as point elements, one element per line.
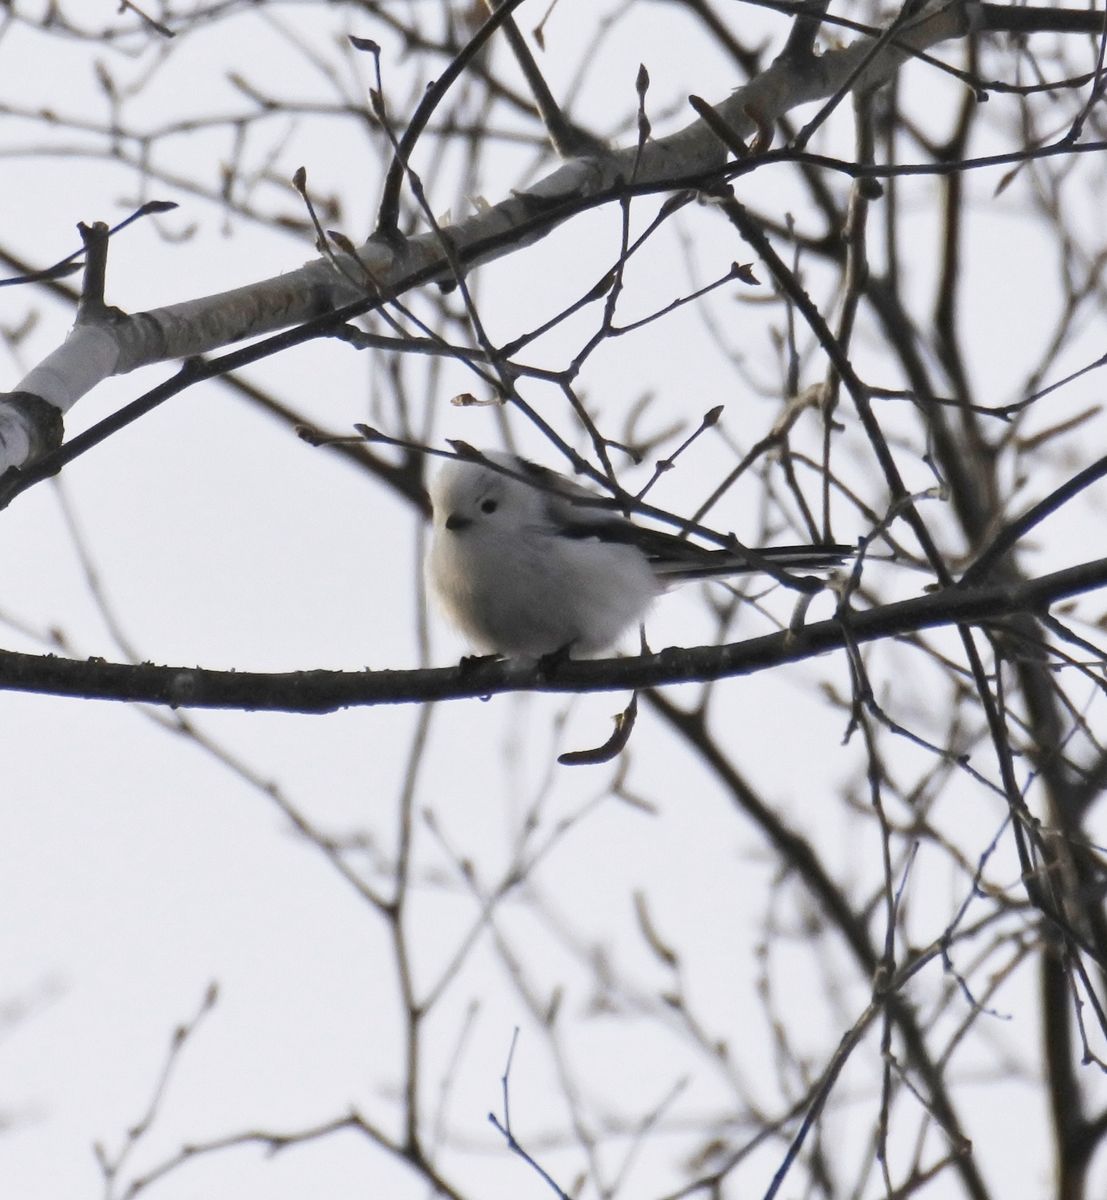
<point>545,593</point>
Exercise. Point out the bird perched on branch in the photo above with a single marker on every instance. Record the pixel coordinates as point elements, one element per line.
<point>526,562</point>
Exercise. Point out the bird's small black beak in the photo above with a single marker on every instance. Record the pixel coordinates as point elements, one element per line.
<point>457,522</point>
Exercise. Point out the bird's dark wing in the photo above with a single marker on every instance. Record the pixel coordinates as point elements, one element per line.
<point>676,557</point>
<point>574,511</point>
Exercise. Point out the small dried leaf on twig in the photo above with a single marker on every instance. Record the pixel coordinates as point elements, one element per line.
<point>365,44</point>
<point>615,744</point>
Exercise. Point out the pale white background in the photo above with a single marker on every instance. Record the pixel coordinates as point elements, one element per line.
<point>135,868</point>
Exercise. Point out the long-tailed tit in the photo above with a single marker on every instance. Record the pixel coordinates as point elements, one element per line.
<point>529,563</point>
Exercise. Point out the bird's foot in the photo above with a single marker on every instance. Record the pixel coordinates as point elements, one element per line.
<point>550,664</point>
<point>471,662</point>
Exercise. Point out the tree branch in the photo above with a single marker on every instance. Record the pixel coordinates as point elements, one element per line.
<point>326,691</point>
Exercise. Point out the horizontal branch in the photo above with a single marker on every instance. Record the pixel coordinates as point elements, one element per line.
<point>327,691</point>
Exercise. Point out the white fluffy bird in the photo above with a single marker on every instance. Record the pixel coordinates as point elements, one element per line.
<point>529,563</point>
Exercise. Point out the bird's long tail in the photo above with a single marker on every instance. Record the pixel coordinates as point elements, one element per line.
<point>709,563</point>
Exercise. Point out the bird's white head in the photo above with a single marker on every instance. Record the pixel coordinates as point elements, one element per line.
<point>469,495</point>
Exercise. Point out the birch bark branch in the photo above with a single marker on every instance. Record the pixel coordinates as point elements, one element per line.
<point>105,342</point>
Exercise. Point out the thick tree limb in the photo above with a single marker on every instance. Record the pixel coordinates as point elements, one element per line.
<point>326,691</point>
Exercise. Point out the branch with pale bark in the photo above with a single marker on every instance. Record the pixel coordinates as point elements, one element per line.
<point>350,281</point>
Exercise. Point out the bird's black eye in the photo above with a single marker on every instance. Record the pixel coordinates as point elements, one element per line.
<point>489,505</point>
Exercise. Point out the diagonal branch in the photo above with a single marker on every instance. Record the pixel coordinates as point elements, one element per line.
<point>199,326</point>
